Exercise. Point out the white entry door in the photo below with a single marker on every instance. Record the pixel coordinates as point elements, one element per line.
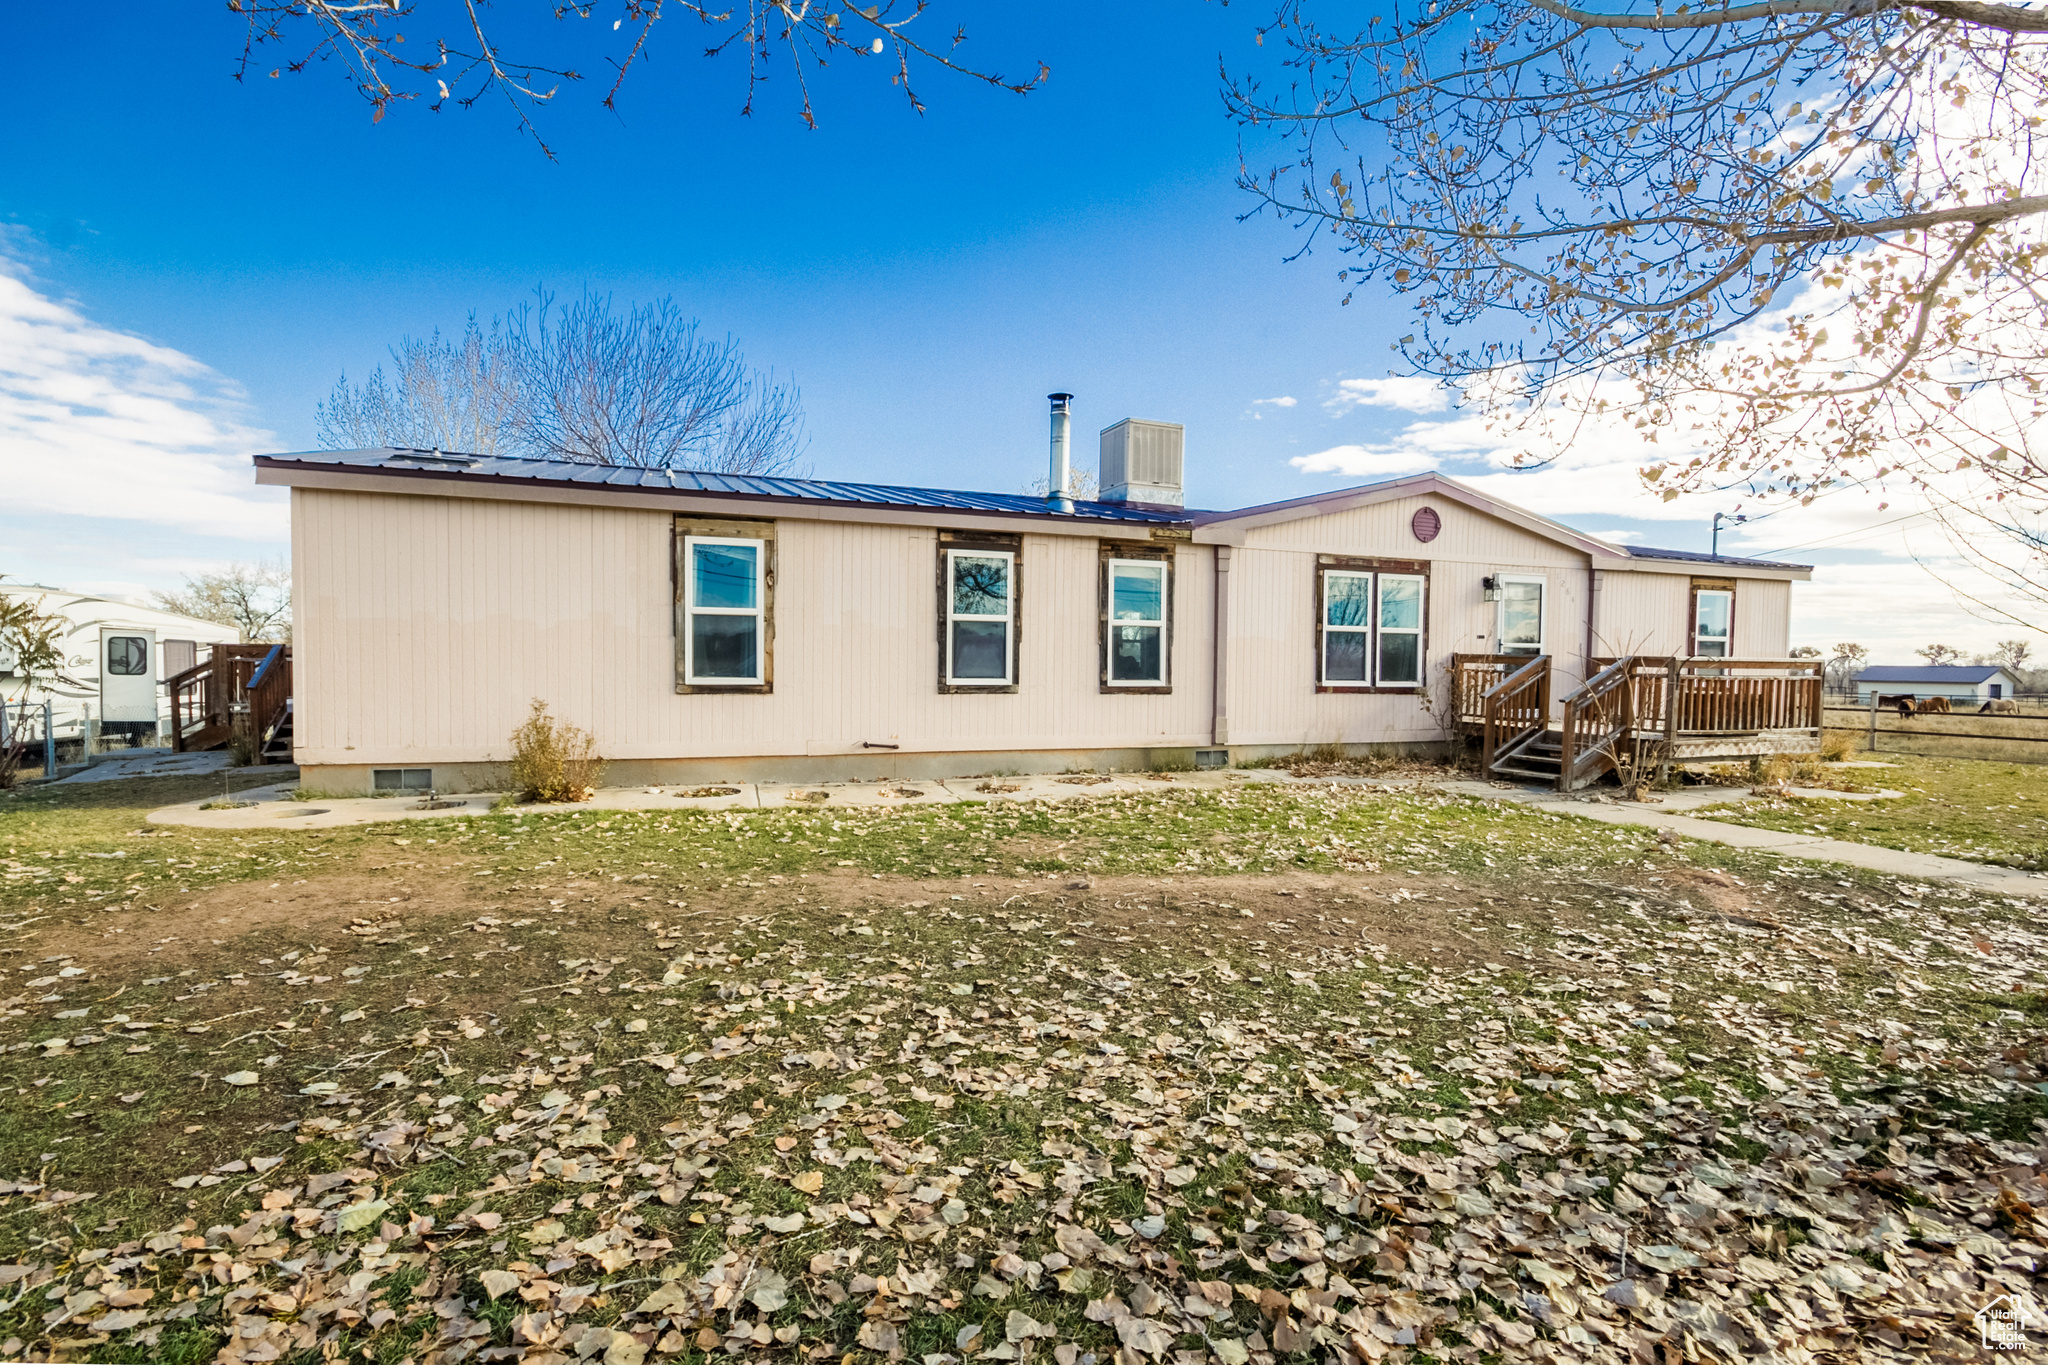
<point>127,675</point>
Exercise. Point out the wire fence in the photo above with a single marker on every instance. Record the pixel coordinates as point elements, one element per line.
<point>2015,738</point>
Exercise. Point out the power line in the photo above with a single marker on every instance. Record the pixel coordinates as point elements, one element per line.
<point>1864,531</point>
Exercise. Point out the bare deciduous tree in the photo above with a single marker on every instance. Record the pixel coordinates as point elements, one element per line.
<point>1845,662</point>
<point>1939,656</point>
<point>2012,654</point>
<point>579,382</point>
<point>1803,236</point>
<point>441,395</point>
<point>462,58</point>
<point>255,599</point>
<point>646,389</point>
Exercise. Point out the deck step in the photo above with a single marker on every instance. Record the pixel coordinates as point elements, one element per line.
<point>1548,779</point>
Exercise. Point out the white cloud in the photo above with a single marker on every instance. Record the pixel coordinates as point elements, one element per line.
<point>106,426</point>
<point>1618,537</point>
<point>1409,393</point>
<point>1273,402</point>
<point>1362,462</point>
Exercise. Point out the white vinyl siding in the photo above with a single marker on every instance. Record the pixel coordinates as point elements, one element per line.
<point>981,611</point>
<point>724,626</point>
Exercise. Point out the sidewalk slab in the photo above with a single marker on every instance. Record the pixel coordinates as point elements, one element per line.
<point>2010,881</point>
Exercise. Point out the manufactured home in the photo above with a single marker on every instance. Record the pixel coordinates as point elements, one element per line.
<point>708,626</point>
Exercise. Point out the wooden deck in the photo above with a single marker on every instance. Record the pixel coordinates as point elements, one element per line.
<point>1635,716</point>
<point>238,686</point>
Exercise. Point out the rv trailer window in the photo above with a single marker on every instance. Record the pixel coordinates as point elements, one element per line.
<point>980,613</point>
<point>127,656</point>
<point>1137,622</point>
<point>724,595</point>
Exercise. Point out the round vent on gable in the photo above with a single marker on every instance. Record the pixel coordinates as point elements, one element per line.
<point>1425,524</point>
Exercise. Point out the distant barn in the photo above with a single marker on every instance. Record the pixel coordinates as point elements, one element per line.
<point>1972,683</point>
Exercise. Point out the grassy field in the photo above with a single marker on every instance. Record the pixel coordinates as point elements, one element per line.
<point>1258,1076</point>
<point>1958,808</point>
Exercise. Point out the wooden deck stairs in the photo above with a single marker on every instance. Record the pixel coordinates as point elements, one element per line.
<point>1634,716</point>
<point>238,690</point>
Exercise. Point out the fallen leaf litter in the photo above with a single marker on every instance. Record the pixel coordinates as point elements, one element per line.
<point>1034,1124</point>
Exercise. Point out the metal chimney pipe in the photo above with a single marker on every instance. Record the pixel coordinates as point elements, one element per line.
<point>1057,471</point>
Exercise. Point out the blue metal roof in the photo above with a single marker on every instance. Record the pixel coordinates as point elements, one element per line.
<point>1695,557</point>
<point>447,464</point>
<point>1931,673</point>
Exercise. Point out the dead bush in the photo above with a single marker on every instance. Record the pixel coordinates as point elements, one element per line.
<point>553,760</point>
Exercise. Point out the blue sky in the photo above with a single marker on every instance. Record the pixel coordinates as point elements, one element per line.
<point>212,255</point>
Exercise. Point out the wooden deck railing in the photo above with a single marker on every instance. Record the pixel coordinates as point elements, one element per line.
<point>205,697</point>
<point>1515,711</point>
<point>1630,711</point>
<point>1728,696</point>
<point>270,694</point>
<point>1472,677</point>
<point>1599,721</point>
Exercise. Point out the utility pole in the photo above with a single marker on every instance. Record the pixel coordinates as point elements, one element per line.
<point>1719,517</point>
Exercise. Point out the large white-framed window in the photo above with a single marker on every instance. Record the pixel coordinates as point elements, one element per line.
<point>1519,626</point>
<point>981,617</point>
<point>1713,622</point>
<point>1372,628</point>
<point>1347,628</point>
<point>1398,659</point>
<point>724,611</point>
<point>1137,622</point>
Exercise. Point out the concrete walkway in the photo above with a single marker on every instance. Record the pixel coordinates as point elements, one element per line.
<point>2010,881</point>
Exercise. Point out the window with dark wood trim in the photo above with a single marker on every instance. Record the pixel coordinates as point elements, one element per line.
<point>723,586</point>
<point>1135,607</point>
<point>980,612</point>
<point>1710,620</point>
<point>1372,624</point>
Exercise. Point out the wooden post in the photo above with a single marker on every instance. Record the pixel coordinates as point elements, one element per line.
<point>1873,720</point>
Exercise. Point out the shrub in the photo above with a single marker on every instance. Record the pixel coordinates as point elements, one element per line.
<point>553,760</point>
<point>1836,745</point>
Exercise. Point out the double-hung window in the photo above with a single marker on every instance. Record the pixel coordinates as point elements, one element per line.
<point>1713,623</point>
<point>1137,640</point>
<point>1521,615</point>
<point>1371,629</point>
<point>1399,659</point>
<point>724,598</point>
<point>981,618</point>
<point>1347,627</point>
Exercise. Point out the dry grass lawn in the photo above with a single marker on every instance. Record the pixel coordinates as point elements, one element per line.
<point>1272,1075</point>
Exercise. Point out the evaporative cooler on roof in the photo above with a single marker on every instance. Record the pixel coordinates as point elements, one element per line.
<point>1141,462</point>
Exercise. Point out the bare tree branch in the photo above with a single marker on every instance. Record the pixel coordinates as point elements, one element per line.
<point>464,60</point>
<point>1808,238</point>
